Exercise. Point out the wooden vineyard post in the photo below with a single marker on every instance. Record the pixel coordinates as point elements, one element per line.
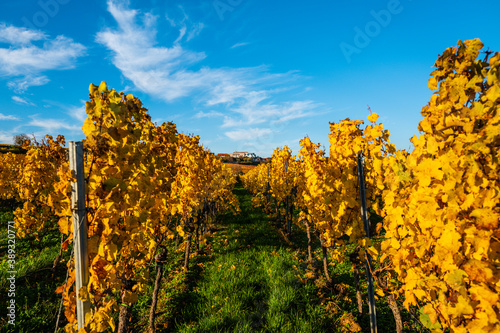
<point>79,227</point>
<point>268,187</point>
<point>368,262</point>
<point>287,205</point>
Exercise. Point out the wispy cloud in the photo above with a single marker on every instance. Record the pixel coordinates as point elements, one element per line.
<point>20,85</point>
<point>252,113</point>
<point>239,44</point>
<point>210,114</point>
<point>6,137</point>
<point>165,71</point>
<point>24,62</point>
<point>247,96</point>
<point>249,134</point>
<point>195,31</point>
<point>159,71</point>
<point>51,125</point>
<point>8,117</point>
<point>19,36</point>
<point>78,113</point>
<point>21,100</point>
<point>185,26</point>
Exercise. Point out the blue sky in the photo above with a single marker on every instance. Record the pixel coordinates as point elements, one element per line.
<point>244,75</point>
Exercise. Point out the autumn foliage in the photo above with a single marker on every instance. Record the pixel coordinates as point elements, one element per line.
<point>144,184</point>
<point>441,202</point>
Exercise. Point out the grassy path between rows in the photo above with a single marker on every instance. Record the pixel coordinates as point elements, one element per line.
<point>251,284</point>
<point>251,280</point>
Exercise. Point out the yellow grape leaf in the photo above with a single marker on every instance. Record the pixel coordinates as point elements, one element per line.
<point>83,294</point>
<point>462,307</point>
<point>372,251</point>
<point>88,316</point>
<point>476,326</point>
<point>479,271</point>
<point>456,279</point>
<point>111,323</point>
<point>101,251</point>
<point>373,117</point>
<point>100,320</point>
<point>65,224</point>
<point>103,87</point>
<point>92,88</point>
<point>180,230</point>
<point>88,127</point>
<point>450,239</point>
<point>428,317</point>
<point>483,294</point>
<point>432,83</point>
<point>432,145</point>
<point>485,218</point>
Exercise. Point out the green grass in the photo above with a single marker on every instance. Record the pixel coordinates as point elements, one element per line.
<point>250,285</point>
<point>247,279</point>
<point>36,302</point>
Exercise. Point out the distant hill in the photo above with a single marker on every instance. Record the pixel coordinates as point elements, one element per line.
<point>4,148</point>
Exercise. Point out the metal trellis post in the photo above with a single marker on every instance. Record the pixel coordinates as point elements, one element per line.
<point>364,214</point>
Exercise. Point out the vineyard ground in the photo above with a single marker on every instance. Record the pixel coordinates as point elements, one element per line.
<point>240,168</point>
<point>248,279</point>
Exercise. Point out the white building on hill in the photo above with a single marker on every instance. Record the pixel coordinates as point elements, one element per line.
<point>242,154</point>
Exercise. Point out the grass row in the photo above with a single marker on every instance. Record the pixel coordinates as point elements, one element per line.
<point>250,284</point>
<point>246,278</point>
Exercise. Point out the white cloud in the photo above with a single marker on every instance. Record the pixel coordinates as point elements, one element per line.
<point>239,44</point>
<point>249,134</point>
<point>185,26</point>
<point>182,32</point>
<point>165,71</point>
<point>7,135</point>
<point>195,31</point>
<point>158,71</point>
<point>19,36</point>
<point>58,53</point>
<point>252,113</point>
<point>246,95</point>
<point>8,117</point>
<point>21,100</point>
<point>78,112</point>
<point>211,114</point>
<point>20,85</point>
<point>51,125</point>
<point>6,138</point>
<point>25,61</point>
